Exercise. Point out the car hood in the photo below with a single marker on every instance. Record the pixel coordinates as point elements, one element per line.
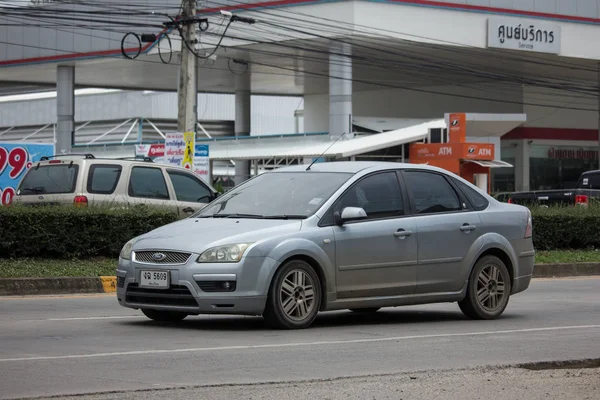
<point>196,235</point>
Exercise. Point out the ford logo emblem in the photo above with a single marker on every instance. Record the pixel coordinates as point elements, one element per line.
<point>159,256</point>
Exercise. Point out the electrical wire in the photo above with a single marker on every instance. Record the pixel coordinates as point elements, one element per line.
<point>417,65</point>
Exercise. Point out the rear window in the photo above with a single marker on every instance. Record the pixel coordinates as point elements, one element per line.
<point>103,179</point>
<point>478,201</point>
<point>590,181</point>
<point>49,179</point>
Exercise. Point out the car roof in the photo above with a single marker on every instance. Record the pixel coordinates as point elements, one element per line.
<point>594,172</point>
<point>354,167</point>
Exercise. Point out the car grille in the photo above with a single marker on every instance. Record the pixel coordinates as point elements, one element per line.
<point>171,257</point>
<point>120,281</point>
<point>176,295</point>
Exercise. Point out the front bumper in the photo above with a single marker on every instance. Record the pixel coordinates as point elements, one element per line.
<point>198,288</point>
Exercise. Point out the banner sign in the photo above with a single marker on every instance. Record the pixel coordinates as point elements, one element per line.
<point>201,162</point>
<point>189,139</point>
<point>174,148</point>
<point>179,149</point>
<point>15,160</point>
<point>155,151</point>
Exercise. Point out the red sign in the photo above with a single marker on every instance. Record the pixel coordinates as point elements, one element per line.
<point>571,154</point>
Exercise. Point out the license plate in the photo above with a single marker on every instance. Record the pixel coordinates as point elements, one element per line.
<point>154,279</point>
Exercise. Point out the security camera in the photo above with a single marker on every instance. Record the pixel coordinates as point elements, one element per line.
<point>226,13</point>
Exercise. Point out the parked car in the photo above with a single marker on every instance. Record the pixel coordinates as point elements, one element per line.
<point>586,191</point>
<point>87,180</point>
<point>340,235</point>
<point>502,196</point>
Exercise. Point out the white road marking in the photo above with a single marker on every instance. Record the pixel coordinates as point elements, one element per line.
<point>87,318</point>
<point>298,344</point>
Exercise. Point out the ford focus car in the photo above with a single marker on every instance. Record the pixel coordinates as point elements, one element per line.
<point>342,235</point>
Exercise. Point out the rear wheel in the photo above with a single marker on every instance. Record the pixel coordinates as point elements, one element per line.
<point>294,297</point>
<point>365,310</point>
<point>488,289</point>
<point>164,316</point>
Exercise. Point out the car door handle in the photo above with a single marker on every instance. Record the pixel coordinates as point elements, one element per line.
<point>467,228</point>
<point>188,210</point>
<point>401,233</point>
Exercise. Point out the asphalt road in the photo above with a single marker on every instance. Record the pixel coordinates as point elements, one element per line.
<point>66,345</point>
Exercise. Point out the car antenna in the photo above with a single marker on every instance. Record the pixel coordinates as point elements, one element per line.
<point>327,149</point>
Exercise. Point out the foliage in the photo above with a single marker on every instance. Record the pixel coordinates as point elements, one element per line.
<point>68,232</point>
<point>46,268</point>
<point>575,228</point>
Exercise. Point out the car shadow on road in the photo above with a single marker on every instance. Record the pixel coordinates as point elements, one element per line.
<point>324,320</point>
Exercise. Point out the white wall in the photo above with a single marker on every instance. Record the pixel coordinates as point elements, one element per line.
<point>558,117</point>
<point>413,104</point>
<point>269,114</point>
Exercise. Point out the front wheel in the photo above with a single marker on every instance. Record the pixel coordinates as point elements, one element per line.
<point>164,316</point>
<point>294,297</point>
<point>488,289</point>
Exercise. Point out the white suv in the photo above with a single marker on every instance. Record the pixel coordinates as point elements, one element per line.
<point>85,179</point>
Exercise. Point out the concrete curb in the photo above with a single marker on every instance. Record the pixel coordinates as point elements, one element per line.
<point>566,270</point>
<point>58,285</point>
<point>108,284</point>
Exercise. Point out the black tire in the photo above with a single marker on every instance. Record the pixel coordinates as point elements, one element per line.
<point>299,299</point>
<point>164,316</point>
<point>365,310</point>
<point>484,307</point>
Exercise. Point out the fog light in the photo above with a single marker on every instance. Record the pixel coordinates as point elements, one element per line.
<point>226,285</point>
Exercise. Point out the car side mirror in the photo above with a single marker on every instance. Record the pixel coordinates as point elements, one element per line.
<point>349,214</point>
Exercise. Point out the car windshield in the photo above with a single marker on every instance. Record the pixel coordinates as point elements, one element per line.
<point>277,195</point>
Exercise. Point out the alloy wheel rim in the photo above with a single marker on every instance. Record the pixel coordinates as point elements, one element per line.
<point>491,288</point>
<point>297,295</point>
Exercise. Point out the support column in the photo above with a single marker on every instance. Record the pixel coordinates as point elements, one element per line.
<point>522,166</point>
<point>65,108</point>
<point>187,90</point>
<point>340,91</point>
<point>242,122</point>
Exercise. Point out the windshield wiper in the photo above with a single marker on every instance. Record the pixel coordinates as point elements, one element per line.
<point>36,190</point>
<point>285,216</point>
<point>238,216</point>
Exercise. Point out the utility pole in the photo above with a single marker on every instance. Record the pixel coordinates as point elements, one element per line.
<point>187,92</point>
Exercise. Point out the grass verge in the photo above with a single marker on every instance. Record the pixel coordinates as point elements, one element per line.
<point>567,256</point>
<point>44,268</point>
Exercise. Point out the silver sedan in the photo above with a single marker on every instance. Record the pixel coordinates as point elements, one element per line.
<point>341,235</point>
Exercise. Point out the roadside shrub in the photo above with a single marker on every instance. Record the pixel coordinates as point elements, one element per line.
<point>575,228</point>
<point>72,232</point>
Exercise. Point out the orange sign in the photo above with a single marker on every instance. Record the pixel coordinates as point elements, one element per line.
<point>439,151</point>
<point>477,151</point>
<point>457,128</point>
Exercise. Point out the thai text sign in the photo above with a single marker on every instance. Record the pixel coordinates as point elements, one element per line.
<point>201,162</point>
<point>527,35</point>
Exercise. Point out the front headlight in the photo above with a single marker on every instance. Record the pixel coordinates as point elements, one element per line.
<point>224,254</point>
<point>126,250</point>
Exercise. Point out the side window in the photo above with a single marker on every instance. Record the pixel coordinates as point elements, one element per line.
<point>149,183</point>
<point>188,188</point>
<point>431,192</point>
<point>477,200</point>
<point>103,178</point>
<point>379,195</point>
